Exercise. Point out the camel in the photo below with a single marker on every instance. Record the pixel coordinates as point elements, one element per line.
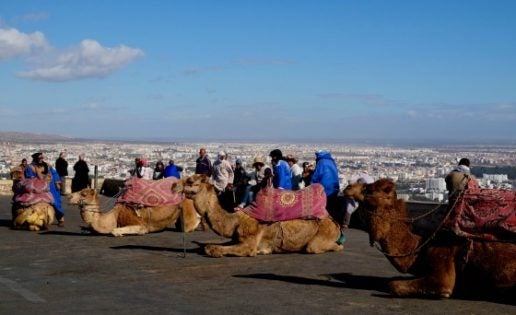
<point>123,220</point>
<point>443,263</point>
<point>33,217</point>
<point>251,237</point>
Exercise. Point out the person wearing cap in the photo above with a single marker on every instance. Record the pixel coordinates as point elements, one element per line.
<point>222,173</point>
<point>282,178</point>
<point>203,163</point>
<point>43,171</point>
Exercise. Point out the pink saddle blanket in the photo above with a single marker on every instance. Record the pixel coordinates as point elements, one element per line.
<point>274,205</point>
<point>30,191</point>
<point>150,193</point>
<point>488,214</point>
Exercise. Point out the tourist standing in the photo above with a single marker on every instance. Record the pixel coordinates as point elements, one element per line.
<point>62,170</point>
<point>296,172</point>
<point>203,164</point>
<point>81,179</point>
<point>282,177</point>
<point>222,173</point>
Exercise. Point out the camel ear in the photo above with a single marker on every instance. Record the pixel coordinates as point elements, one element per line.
<point>388,187</point>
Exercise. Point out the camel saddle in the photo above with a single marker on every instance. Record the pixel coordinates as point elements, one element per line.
<point>150,193</point>
<point>488,214</point>
<point>273,205</point>
<point>30,191</point>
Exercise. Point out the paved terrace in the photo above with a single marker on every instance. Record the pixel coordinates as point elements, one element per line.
<point>65,271</point>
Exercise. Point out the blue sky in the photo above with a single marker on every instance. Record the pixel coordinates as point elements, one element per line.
<point>413,70</point>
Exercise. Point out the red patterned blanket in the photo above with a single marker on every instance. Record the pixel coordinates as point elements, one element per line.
<point>150,193</point>
<point>274,205</point>
<point>30,191</point>
<point>488,214</point>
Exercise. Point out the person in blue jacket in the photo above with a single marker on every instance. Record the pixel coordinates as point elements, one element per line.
<point>172,170</point>
<point>282,177</point>
<point>327,174</point>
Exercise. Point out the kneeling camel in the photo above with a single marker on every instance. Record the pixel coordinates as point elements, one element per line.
<point>251,237</point>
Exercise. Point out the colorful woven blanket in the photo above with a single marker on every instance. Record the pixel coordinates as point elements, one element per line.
<point>150,193</point>
<point>30,191</point>
<point>488,214</point>
<point>274,205</point>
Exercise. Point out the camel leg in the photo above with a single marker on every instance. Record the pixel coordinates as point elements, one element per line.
<point>439,282</point>
<point>246,247</point>
<point>130,230</point>
<point>325,240</point>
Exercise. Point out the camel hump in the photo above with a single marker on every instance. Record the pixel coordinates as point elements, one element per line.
<point>150,193</point>
<point>488,214</point>
<point>273,205</point>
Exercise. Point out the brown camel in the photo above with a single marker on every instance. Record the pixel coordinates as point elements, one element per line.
<point>123,220</point>
<point>251,237</point>
<point>34,217</point>
<point>443,263</point>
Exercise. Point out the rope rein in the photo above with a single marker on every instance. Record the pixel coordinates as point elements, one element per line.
<point>423,244</point>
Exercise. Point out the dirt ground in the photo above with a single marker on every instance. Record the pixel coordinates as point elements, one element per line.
<point>68,271</point>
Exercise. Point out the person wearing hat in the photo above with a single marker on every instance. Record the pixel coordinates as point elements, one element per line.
<point>282,178</point>
<point>222,174</point>
<point>261,177</point>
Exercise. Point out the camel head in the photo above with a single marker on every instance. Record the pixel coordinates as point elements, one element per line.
<point>355,191</point>
<point>191,186</point>
<point>87,196</point>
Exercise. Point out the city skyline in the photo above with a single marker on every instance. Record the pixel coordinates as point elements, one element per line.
<point>260,71</point>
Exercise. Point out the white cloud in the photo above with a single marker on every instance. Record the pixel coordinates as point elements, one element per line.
<point>89,59</point>
<point>14,43</point>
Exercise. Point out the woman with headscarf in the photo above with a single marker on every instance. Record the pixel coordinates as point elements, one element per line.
<point>81,179</point>
<point>43,171</point>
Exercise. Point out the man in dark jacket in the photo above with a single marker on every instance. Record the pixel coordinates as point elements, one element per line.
<point>203,164</point>
<point>62,170</point>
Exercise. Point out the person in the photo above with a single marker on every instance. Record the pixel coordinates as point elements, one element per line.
<point>203,163</point>
<point>81,178</point>
<point>240,180</point>
<point>23,164</point>
<point>352,204</point>
<point>42,170</point>
<point>137,165</point>
<point>296,172</point>
<point>261,178</point>
<point>62,170</point>
<point>173,170</point>
<point>457,180</point>
<point>222,174</point>
<point>282,178</point>
<point>306,176</point>
<point>327,174</point>
<point>159,171</point>
<point>145,172</point>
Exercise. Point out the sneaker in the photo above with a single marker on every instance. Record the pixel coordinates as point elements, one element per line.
<point>341,239</point>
